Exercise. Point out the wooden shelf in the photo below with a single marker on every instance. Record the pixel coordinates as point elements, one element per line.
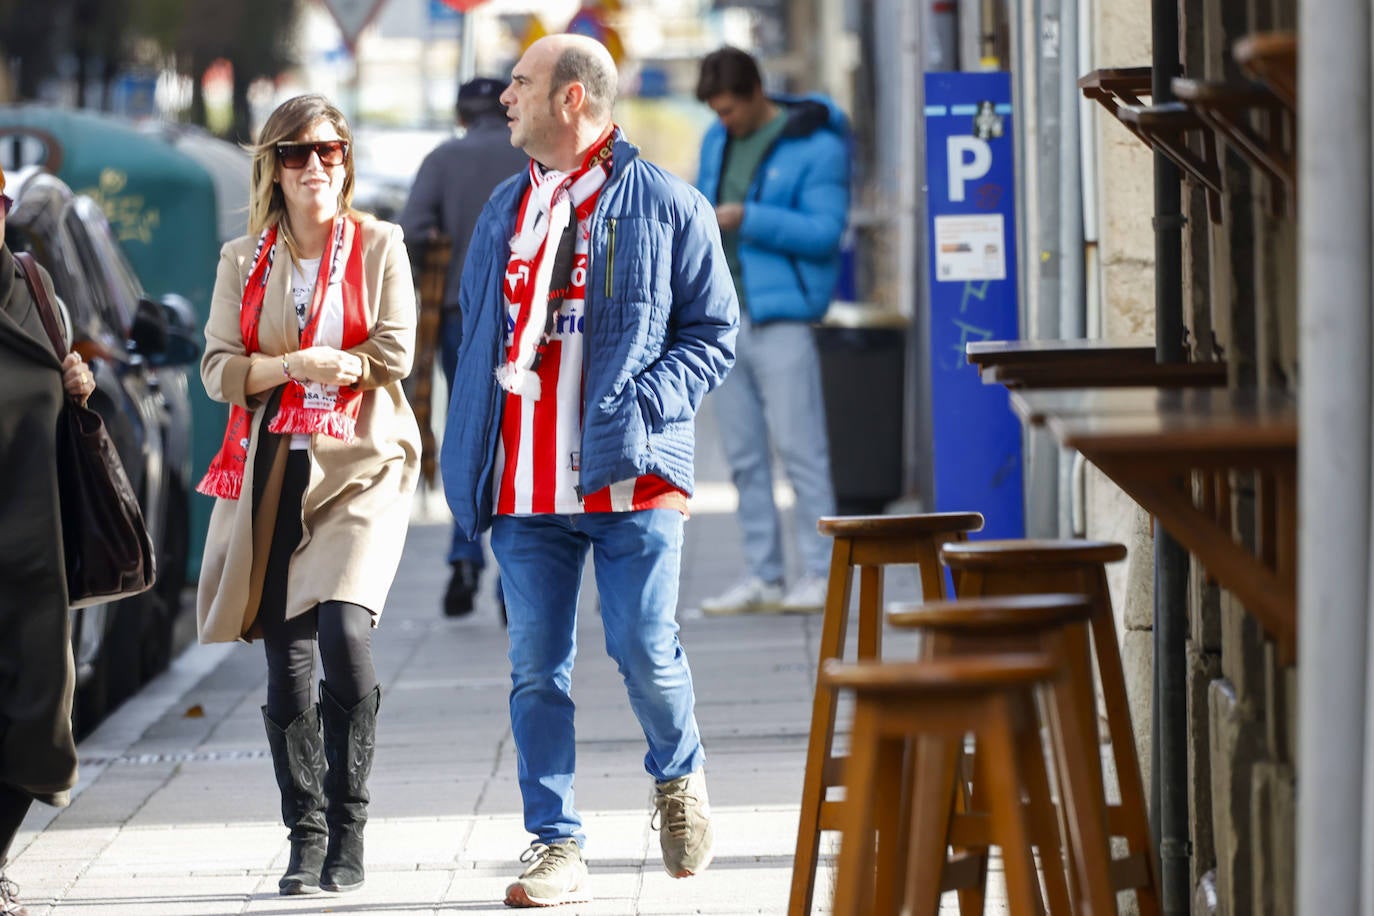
<point>1155,443</point>
<point>1114,88</point>
<point>1232,109</point>
<point>1084,363</point>
<point>1166,128</point>
<point>1272,58</point>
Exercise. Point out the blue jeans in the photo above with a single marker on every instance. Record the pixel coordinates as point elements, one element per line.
<point>772,398</point>
<point>637,557</point>
<point>450,333</point>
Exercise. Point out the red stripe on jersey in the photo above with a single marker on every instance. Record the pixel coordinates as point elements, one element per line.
<point>544,448</point>
<point>600,501</point>
<point>510,445</point>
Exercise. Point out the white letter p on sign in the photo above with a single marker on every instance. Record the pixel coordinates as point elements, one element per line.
<point>962,170</point>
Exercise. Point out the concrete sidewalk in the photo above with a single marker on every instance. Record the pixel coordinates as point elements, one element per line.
<point>177,811</point>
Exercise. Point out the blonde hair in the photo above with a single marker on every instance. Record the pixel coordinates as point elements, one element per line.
<point>294,117</point>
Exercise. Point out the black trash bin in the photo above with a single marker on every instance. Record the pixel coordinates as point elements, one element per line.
<point>863,377</point>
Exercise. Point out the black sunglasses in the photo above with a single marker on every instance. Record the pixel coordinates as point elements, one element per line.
<point>6,204</point>
<point>296,155</point>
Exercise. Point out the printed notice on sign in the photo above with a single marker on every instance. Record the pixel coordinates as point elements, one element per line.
<point>970,247</point>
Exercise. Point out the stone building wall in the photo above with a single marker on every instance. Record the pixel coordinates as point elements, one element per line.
<point>1239,301</point>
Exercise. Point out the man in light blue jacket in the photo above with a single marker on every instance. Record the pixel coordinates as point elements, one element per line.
<point>597,312</point>
<point>777,170</point>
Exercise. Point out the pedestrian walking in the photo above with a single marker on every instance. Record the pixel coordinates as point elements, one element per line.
<point>450,189</point>
<point>37,674</point>
<point>597,313</point>
<point>777,170</point>
<point>311,332</point>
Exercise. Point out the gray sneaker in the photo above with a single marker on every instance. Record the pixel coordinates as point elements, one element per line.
<point>553,874</point>
<point>9,898</point>
<point>682,817</point>
<point>752,596</point>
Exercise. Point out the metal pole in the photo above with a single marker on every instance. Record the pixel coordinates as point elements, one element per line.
<point>1335,296</point>
<point>1171,561</point>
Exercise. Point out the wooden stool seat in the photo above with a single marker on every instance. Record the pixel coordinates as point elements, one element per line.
<point>1006,614</point>
<point>1027,567</point>
<point>866,544</point>
<point>940,702</point>
<point>899,526</point>
<point>1013,553</point>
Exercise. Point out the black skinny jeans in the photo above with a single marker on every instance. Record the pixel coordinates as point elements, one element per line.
<point>14,804</point>
<point>343,630</point>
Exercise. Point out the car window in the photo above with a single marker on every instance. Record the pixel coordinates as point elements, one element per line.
<point>118,274</point>
<point>67,281</point>
<point>111,306</point>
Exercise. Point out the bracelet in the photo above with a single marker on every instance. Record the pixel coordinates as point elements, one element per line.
<point>286,369</point>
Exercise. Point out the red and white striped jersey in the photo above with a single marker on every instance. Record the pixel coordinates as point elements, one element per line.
<point>537,457</point>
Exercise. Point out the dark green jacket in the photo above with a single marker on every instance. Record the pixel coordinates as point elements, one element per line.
<point>37,675</point>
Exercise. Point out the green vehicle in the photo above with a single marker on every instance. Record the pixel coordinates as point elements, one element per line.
<point>172,196</point>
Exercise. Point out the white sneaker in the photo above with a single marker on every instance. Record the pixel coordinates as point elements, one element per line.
<point>807,596</point>
<point>752,596</point>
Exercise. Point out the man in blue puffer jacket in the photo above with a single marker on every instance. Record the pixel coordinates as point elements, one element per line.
<point>777,169</point>
<point>597,312</point>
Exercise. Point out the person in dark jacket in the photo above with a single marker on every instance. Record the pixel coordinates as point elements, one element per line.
<point>597,313</point>
<point>777,170</point>
<point>37,673</point>
<point>450,189</point>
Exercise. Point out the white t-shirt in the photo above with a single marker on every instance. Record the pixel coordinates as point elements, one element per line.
<point>302,289</point>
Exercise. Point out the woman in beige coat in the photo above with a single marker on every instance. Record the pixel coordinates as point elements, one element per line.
<point>311,331</point>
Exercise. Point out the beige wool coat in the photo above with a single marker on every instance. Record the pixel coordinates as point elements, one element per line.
<point>356,507</point>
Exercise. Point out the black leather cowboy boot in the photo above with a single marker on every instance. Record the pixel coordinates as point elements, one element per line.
<point>298,761</point>
<point>349,744</point>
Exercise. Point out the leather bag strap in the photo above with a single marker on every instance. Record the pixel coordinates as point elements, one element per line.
<point>29,268</point>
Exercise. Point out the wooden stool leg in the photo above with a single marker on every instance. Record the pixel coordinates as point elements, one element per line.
<point>974,802</point>
<point>1084,805</point>
<point>818,750</point>
<point>854,884</point>
<point>892,846</point>
<point>1003,783</point>
<point>934,791</point>
<point>1044,820</point>
<point>1133,812</point>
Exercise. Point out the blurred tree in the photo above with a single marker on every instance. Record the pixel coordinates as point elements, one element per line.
<point>257,36</point>
<point>29,42</point>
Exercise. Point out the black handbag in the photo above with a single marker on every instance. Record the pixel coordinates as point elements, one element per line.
<point>108,553</point>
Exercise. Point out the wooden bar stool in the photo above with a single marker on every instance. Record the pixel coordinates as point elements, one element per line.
<point>1021,567</point>
<point>939,701</point>
<point>868,544</point>
<point>1055,626</point>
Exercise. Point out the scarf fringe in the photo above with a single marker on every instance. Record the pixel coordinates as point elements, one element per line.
<point>519,380</point>
<point>309,422</point>
<point>221,483</point>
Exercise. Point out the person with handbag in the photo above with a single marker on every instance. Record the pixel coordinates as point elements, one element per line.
<point>37,674</point>
<point>310,334</point>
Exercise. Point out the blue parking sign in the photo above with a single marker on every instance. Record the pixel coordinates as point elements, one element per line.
<point>970,170</point>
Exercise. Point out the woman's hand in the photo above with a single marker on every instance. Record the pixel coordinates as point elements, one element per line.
<point>325,365</point>
<point>77,379</point>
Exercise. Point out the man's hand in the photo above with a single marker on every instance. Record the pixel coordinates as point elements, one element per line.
<point>325,365</point>
<point>729,216</point>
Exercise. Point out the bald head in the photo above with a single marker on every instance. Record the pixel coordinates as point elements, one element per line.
<point>579,59</point>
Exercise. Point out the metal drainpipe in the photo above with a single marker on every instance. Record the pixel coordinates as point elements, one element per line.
<point>1170,783</point>
<point>1335,294</point>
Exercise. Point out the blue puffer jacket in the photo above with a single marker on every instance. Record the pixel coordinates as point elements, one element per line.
<point>661,320</point>
<point>795,213</point>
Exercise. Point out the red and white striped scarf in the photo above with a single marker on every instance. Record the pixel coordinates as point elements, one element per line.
<point>542,250</point>
<point>305,407</point>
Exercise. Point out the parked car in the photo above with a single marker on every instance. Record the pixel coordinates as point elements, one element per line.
<point>139,351</point>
